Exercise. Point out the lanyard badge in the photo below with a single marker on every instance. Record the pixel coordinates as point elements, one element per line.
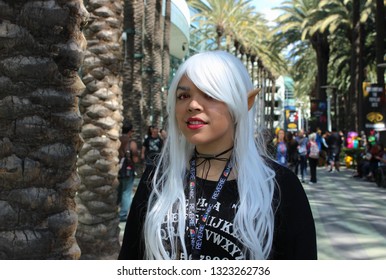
<point>196,231</point>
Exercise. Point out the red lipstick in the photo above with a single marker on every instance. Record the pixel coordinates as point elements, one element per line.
<point>195,123</point>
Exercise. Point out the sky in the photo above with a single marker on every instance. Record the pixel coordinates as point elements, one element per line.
<point>265,7</point>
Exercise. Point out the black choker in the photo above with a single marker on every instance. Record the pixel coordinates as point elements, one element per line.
<point>206,160</point>
<point>206,156</point>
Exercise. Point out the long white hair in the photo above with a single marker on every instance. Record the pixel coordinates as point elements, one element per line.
<point>222,76</point>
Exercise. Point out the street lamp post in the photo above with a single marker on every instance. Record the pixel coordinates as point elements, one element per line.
<point>329,93</point>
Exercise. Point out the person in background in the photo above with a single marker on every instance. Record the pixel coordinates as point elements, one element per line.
<point>363,137</point>
<point>319,138</point>
<point>324,152</point>
<point>380,172</point>
<point>128,157</point>
<point>215,194</point>
<point>334,142</point>
<point>342,141</point>
<point>377,136</point>
<point>363,166</point>
<point>152,146</point>
<point>376,154</point>
<point>313,156</point>
<point>319,141</point>
<point>381,155</point>
<point>281,148</point>
<point>302,152</point>
<point>292,151</point>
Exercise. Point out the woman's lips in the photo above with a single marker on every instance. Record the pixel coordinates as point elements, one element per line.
<point>194,123</point>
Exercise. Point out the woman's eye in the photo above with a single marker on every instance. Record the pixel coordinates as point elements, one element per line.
<point>182,96</point>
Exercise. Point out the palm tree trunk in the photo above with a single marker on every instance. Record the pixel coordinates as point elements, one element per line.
<point>380,41</point>
<point>320,44</point>
<point>157,63</point>
<point>133,100</point>
<point>101,107</point>
<point>360,78</point>
<point>41,50</point>
<point>353,94</point>
<point>148,77</point>
<point>166,57</point>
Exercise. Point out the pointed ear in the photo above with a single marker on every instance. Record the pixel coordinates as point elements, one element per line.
<point>251,97</point>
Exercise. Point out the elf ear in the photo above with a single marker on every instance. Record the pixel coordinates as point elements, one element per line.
<point>251,97</point>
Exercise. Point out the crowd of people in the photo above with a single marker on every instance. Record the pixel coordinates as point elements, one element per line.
<point>301,150</point>
<point>371,161</point>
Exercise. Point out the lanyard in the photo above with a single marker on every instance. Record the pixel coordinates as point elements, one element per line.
<point>197,231</point>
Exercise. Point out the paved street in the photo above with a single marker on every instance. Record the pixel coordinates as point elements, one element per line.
<point>350,216</point>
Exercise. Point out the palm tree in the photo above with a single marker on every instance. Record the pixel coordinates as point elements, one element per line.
<point>101,107</point>
<point>157,64</point>
<point>133,97</point>
<point>356,73</point>
<point>351,17</point>
<point>166,56</point>
<point>148,70</point>
<point>40,53</point>
<point>217,17</point>
<point>155,26</point>
<point>339,76</point>
<point>297,24</point>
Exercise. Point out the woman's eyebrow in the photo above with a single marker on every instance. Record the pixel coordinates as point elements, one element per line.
<point>185,88</point>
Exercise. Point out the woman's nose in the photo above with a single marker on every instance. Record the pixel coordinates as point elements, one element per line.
<point>194,105</point>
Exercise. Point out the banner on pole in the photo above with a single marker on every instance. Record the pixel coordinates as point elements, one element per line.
<point>318,115</point>
<point>291,120</point>
<point>374,107</point>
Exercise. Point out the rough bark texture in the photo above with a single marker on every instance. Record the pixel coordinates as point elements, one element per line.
<point>148,64</point>
<point>166,59</point>
<point>133,95</point>
<point>320,44</point>
<point>157,64</point>
<point>41,50</point>
<point>352,113</point>
<point>101,108</point>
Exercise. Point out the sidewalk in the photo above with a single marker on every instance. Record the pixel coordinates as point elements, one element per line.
<point>350,216</point>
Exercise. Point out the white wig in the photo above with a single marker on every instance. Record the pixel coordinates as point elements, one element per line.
<point>223,77</point>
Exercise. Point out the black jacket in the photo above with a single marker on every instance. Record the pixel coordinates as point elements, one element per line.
<point>294,228</point>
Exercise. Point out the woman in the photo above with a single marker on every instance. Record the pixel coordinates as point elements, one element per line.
<point>313,156</point>
<point>128,158</point>
<point>281,148</point>
<point>212,171</point>
<point>302,153</point>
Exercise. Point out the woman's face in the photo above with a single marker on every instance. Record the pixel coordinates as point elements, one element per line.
<point>204,121</point>
<point>280,134</point>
